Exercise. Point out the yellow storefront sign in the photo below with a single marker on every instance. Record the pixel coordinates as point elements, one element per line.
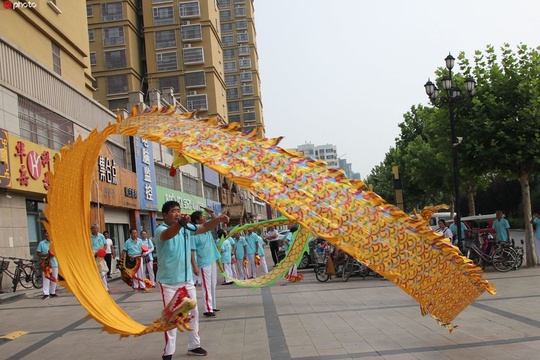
<point>29,163</point>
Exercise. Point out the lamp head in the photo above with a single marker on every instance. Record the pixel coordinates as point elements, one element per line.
<point>449,61</point>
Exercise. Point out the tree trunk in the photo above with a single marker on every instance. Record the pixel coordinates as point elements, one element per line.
<point>530,252</point>
<point>472,204</point>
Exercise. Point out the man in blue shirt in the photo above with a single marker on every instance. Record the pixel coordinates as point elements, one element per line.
<point>453,229</point>
<point>177,264</point>
<point>501,227</point>
<point>132,248</point>
<point>251,240</point>
<point>536,222</point>
<point>43,252</point>
<point>206,255</point>
<point>98,242</point>
<point>148,258</point>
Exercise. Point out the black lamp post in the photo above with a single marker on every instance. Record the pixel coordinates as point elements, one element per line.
<point>453,96</point>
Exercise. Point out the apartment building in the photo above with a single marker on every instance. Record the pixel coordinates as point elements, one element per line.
<point>45,103</point>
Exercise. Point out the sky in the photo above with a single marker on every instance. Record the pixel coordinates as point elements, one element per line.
<point>344,72</point>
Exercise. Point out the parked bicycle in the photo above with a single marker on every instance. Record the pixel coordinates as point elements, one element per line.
<point>354,267</point>
<point>324,251</point>
<point>26,273</point>
<point>519,252</point>
<point>502,256</point>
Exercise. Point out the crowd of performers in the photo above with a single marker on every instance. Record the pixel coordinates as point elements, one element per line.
<point>188,256</point>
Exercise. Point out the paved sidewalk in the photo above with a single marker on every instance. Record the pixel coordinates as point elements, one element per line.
<point>359,319</point>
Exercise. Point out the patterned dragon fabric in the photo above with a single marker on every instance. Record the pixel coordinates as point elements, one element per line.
<point>306,191</point>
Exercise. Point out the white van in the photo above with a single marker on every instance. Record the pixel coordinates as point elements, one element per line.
<point>434,221</point>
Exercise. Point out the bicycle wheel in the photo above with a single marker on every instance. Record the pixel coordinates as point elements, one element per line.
<point>37,278</point>
<point>504,259</point>
<point>15,281</point>
<point>321,274</point>
<point>519,260</point>
<point>25,279</point>
<point>347,268</point>
<point>363,269</point>
<point>477,259</point>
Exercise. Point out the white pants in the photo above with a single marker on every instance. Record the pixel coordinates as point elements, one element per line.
<point>52,284</point>
<point>208,280</point>
<point>251,265</point>
<point>229,271</point>
<point>139,284</point>
<point>242,270</point>
<point>167,292</point>
<point>150,270</point>
<point>263,265</point>
<point>537,244</point>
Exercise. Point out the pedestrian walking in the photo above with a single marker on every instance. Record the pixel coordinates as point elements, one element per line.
<point>272,236</point>
<point>49,267</point>
<point>99,242</point>
<point>109,252</point>
<point>148,258</point>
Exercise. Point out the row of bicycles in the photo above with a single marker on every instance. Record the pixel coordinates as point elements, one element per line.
<point>482,249</point>
<point>27,273</point>
<point>485,250</point>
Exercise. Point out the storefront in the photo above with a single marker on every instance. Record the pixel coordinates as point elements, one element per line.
<point>188,203</point>
<point>27,164</point>
<point>114,198</point>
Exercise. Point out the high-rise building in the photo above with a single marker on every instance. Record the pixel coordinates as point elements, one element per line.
<point>205,50</point>
<point>46,91</point>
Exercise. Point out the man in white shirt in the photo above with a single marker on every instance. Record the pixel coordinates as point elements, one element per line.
<point>109,250</point>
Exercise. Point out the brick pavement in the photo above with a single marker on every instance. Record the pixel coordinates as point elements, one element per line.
<point>359,319</point>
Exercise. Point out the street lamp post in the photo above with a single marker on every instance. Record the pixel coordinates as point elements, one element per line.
<point>453,96</point>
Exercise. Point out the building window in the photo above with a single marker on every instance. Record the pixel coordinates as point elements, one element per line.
<point>210,193</point>
<point>228,54</point>
<point>189,184</point>
<point>42,126</point>
<point>165,39</point>
<point>231,80</point>
<point>248,103</point>
<point>113,36</point>
<point>118,104</point>
<point>228,40</point>
<point>95,84</point>
<point>119,153</point>
<point>234,118</point>
<point>57,65</point>
<point>115,59</point>
<point>163,178</point>
<point>93,60</point>
<point>229,66</point>
<point>193,55</point>
<point>226,28</point>
<point>166,61</point>
<point>91,35</point>
<point>111,11</point>
<point>189,9</point>
<point>243,50</point>
<point>247,89</point>
<point>117,84</point>
<point>239,2</point>
<point>241,24</point>
<point>244,63</point>
<point>225,15</point>
<point>191,32</point>
<point>161,1</point>
<point>249,116</point>
<point>232,93</point>
<point>197,102</point>
<point>242,38</point>
<point>163,15</point>
<point>240,12</point>
<point>233,106</point>
<point>195,79</point>
<point>246,76</point>
<point>169,81</point>
<point>89,11</point>
<point>224,3</point>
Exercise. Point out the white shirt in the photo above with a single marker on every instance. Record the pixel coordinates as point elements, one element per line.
<point>109,246</point>
<point>270,234</point>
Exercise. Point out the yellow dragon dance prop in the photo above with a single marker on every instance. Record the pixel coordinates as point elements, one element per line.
<point>306,191</point>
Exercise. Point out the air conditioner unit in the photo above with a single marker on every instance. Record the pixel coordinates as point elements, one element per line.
<point>187,22</point>
<point>194,92</point>
<point>187,46</point>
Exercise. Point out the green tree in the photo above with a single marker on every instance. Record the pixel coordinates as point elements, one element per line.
<point>504,126</point>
